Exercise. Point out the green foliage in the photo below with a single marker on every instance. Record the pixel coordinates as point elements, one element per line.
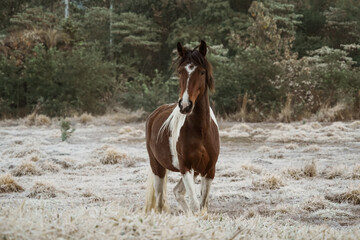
<point>273,26</point>
<point>10,84</point>
<point>122,52</point>
<point>148,93</point>
<point>255,73</point>
<point>336,81</point>
<point>66,129</point>
<point>343,22</point>
<point>137,32</point>
<point>61,82</point>
<point>34,18</point>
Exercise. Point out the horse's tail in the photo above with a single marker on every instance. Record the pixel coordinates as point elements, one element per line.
<point>150,202</point>
<point>166,207</point>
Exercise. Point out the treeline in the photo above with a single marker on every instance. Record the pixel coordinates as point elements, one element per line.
<point>273,59</point>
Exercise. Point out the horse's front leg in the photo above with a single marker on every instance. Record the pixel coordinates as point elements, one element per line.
<point>205,190</point>
<point>188,180</point>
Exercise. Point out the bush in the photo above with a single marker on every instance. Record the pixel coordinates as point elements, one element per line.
<point>60,82</point>
<point>250,71</point>
<point>149,93</point>
<point>66,129</point>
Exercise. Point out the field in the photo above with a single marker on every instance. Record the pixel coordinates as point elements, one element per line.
<point>273,181</point>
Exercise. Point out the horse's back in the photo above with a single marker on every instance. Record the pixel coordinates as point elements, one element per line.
<point>157,118</point>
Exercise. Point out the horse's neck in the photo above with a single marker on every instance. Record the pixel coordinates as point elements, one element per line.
<point>200,116</point>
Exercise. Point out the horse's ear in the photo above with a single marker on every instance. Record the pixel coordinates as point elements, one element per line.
<point>180,49</point>
<point>203,48</point>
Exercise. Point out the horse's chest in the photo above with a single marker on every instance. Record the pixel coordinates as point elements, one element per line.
<point>189,150</point>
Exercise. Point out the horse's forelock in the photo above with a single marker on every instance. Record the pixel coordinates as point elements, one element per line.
<point>194,56</point>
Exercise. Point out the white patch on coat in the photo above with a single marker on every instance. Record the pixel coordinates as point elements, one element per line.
<point>212,115</point>
<point>188,179</point>
<point>173,123</point>
<point>190,68</point>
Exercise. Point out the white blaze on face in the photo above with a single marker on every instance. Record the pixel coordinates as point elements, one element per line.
<point>190,68</point>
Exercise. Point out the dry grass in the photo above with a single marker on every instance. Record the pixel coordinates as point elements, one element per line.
<point>34,158</point>
<point>26,168</point>
<point>295,173</point>
<point>85,118</point>
<point>314,204</point>
<point>264,149</point>
<point>49,166</point>
<point>330,114</point>
<point>42,120</point>
<point>8,184</point>
<point>355,124</point>
<point>128,133</point>
<point>36,220</point>
<point>351,196</point>
<point>22,152</point>
<point>312,148</point>
<point>42,190</point>
<point>335,171</point>
<point>276,155</point>
<point>315,125</point>
<point>65,163</point>
<point>30,119</point>
<point>285,114</point>
<point>281,208</point>
<point>252,168</point>
<point>124,115</point>
<point>310,169</point>
<point>356,172</point>
<point>92,196</point>
<point>37,120</point>
<point>269,182</point>
<point>111,156</point>
<point>291,146</point>
<point>284,127</point>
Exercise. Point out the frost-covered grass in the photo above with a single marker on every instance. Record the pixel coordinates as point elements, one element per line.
<point>273,181</point>
<point>40,220</point>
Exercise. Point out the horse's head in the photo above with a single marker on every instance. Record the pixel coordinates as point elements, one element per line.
<point>195,75</point>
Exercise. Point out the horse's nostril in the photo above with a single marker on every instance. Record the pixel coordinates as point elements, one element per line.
<point>180,100</point>
<point>190,104</point>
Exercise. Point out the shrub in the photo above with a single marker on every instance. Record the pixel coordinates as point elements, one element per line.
<point>58,81</point>
<point>251,71</point>
<point>149,92</point>
<point>66,129</point>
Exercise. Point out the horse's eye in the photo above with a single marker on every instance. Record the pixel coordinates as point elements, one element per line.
<point>202,72</point>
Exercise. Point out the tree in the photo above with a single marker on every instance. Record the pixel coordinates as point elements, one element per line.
<point>273,26</point>
<point>136,43</point>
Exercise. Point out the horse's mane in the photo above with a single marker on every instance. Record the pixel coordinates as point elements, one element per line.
<point>194,56</point>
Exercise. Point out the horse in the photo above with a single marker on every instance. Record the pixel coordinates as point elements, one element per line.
<point>184,136</point>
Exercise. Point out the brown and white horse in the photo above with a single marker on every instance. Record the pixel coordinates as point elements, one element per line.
<point>184,136</point>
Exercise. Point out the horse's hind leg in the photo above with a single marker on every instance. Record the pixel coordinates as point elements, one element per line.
<point>160,192</point>
<point>157,197</point>
<point>179,191</point>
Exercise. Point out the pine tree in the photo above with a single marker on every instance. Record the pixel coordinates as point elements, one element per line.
<point>274,26</point>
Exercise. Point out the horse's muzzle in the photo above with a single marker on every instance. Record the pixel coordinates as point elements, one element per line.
<point>185,108</point>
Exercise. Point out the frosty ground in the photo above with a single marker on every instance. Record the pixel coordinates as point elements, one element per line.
<point>273,181</point>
